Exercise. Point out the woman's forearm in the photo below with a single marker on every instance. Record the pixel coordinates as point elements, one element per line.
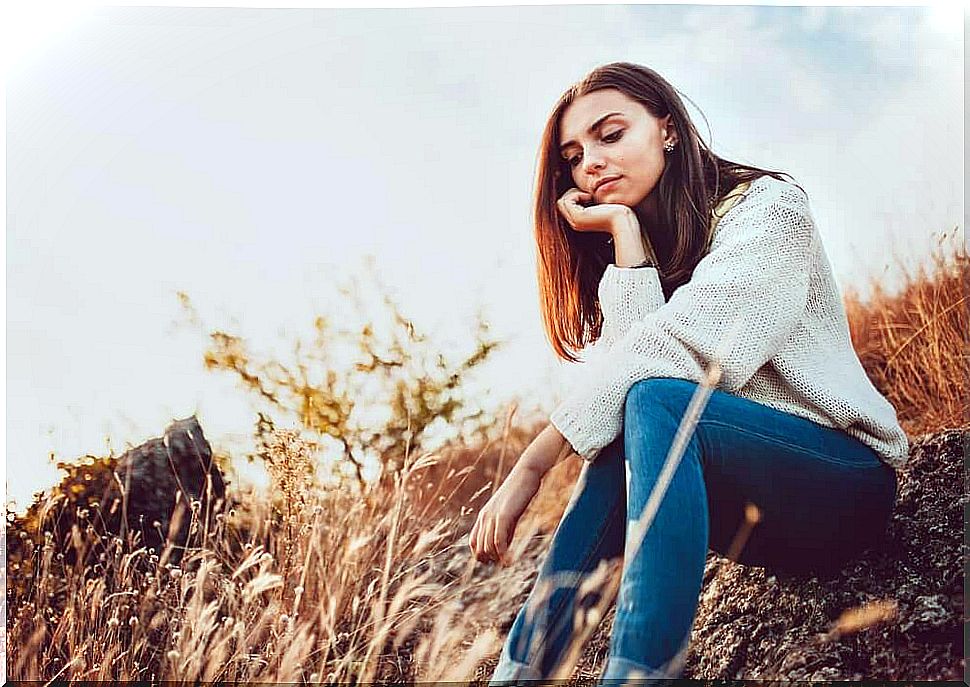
<point>547,449</point>
<point>630,245</point>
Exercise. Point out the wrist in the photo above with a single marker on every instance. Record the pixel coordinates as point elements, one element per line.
<point>625,224</point>
<point>547,449</point>
<point>631,245</point>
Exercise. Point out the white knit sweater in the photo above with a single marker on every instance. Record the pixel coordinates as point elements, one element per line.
<point>763,303</point>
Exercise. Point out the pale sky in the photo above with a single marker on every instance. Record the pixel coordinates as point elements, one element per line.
<point>249,156</point>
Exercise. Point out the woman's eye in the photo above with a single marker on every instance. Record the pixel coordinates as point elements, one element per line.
<point>615,136</point>
<point>612,137</point>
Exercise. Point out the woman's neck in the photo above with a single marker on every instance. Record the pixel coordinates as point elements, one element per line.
<point>649,217</point>
<point>646,211</point>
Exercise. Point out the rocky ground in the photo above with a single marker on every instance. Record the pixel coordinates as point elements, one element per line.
<point>752,624</point>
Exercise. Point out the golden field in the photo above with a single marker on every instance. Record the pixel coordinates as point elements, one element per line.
<point>348,580</point>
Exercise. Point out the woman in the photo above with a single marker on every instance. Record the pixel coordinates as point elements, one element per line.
<point>675,261</point>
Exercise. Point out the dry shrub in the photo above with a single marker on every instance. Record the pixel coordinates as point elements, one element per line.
<point>462,478</point>
<point>914,344</point>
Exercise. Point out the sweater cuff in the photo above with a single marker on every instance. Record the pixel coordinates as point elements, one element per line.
<point>569,426</point>
<point>627,295</point>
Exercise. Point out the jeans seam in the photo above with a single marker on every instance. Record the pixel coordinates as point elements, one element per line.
<point>774,440</point>
<point>544,637</point>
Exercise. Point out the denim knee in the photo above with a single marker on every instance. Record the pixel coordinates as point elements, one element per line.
<point>648,395</point>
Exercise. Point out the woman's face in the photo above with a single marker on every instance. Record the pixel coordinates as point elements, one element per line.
<point>626,144</point>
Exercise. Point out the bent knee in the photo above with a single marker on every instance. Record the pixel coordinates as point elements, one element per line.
<point>665,393</point>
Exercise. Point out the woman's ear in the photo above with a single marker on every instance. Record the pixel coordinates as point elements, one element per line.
<point>669,128</point>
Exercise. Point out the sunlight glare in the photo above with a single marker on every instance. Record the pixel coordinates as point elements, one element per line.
<point>947,18</point>
<point>29,29</point>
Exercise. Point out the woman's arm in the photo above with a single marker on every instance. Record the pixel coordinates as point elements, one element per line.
<point>630,246</point>
<point>548,448</point>
<point>494,528</point>
<point>625,295</point>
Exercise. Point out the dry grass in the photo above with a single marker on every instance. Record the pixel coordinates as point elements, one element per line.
<point>330,585</point>
<point>313,586</point>
<point>914,344</point>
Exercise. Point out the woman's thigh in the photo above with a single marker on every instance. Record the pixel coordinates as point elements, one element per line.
<point>822,495</point>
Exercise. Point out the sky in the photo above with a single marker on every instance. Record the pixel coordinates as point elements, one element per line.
<point>254,158</point>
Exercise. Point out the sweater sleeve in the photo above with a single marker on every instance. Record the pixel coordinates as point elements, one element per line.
<point>739,308</point>
<point>626,296</point>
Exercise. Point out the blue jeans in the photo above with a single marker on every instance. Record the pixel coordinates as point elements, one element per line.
<point>823,498</point>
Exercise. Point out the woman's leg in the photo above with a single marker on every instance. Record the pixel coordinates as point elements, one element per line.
<point>823,497</point>
<point>591,530</point>
<point>662,579</point>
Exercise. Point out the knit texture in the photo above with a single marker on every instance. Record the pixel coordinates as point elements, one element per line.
<point>763,304</point>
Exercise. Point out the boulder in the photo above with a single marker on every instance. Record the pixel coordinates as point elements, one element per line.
<point>148,491</point>
<point>893,613</point>
<point>164,477</point>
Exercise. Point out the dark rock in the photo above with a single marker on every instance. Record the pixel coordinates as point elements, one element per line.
<point>147,491</point>
<point>165,478</point>
<point>915,575</point>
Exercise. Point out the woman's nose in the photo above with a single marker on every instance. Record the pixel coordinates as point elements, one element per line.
<point>592,162</point>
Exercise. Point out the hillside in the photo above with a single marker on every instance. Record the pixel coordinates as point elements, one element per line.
<point>182,575</point>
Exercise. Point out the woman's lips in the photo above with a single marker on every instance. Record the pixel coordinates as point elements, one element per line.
<point>608,186</point>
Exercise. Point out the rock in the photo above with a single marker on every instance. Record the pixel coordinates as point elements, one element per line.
<point>910,589</point>
<point>166,475</point>
<point>161,479</point>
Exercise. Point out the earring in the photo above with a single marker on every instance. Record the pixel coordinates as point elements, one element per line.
<point>669,147</point>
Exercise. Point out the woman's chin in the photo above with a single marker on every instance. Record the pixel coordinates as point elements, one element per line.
<point>612,198</point>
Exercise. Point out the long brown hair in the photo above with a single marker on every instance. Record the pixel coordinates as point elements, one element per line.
<point>571,263</point>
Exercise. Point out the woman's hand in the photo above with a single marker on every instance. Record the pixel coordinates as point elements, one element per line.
<point>606,217</point>
<point>492,533</point>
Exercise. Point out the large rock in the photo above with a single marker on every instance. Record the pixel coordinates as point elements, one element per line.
<point>166,475</point>
<point>908,589</point>
<point>142,492</point>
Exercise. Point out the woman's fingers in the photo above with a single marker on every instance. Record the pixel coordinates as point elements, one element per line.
<point>488,546</point>
<point>563,210</point>
<point>489,538</point>
<point>567,211</point>
<point>569,205</point>
<point>500,539</point>
<point>573,197</point>
<point>478,537</point>
<point>483,542</point>
<point>472,537</point>
<point>493,542</point>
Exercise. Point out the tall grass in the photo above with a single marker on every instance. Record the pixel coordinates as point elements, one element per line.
<point>316,585</point>
<point>323,584</point>
<point>914,344</point>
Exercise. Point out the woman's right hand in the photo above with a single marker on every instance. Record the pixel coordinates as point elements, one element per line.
<point>492,533</point>
<point>602,217</point>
